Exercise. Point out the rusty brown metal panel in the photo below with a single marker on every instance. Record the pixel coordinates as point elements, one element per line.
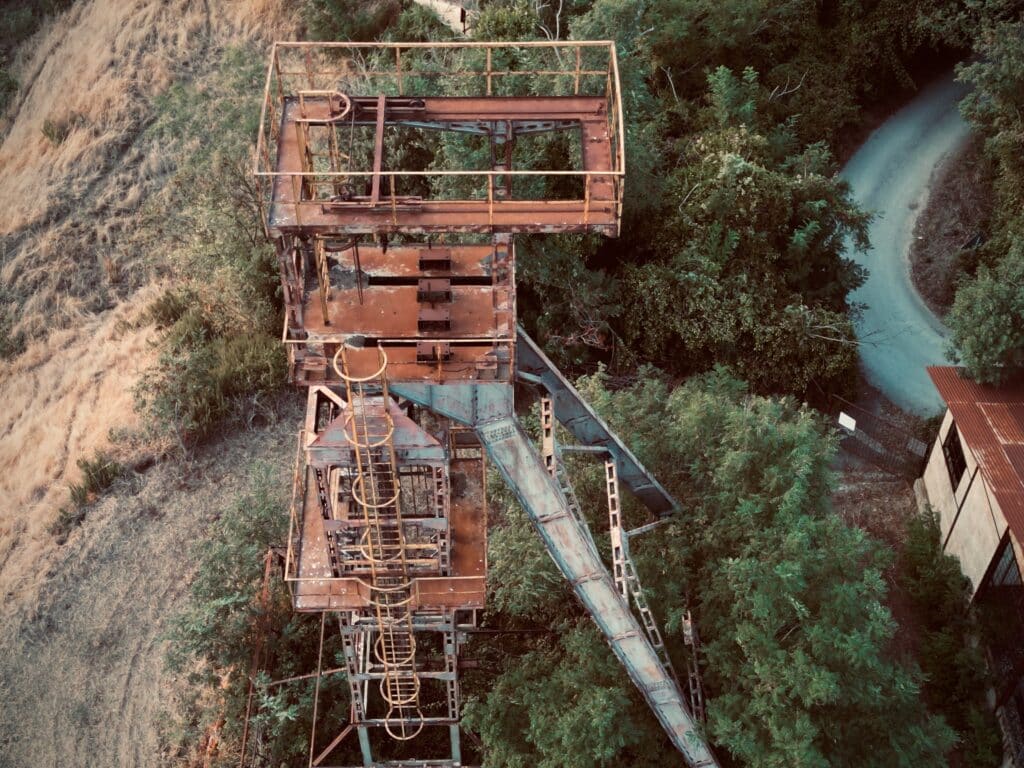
<point>991,422</point>
<point>378,151</point>
<point>291,206</point>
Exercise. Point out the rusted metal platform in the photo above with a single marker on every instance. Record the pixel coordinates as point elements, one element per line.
<point>303,199</point>
<point>317,95</point>
<point>443,313</point>
<point>410,355</point>
<point>315,588</point>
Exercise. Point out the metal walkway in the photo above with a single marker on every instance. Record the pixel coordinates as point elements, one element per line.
<point>576,415</point>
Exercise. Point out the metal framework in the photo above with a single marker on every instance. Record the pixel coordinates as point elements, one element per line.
<point>410,352</point>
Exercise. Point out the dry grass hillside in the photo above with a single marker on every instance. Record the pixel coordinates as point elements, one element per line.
<point>78,167</point>
<point>68,201</point>
<point>70,265</point>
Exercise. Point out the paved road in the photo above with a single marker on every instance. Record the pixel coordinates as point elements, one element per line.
<point>890,176</point>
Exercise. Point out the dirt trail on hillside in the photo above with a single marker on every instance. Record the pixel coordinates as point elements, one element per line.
<point>66,210</point>
<point>81,655</point>
<point>61,400</point>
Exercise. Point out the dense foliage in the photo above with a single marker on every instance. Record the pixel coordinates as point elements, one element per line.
<point>220,356</point>
<point>736,227</point>
<point>554,695</point>
<point>951,659</point>
<point>790,601</point>
<point>987,318</point>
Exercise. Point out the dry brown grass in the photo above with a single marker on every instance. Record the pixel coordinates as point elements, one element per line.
<point>67,212</point>
<point>62,399</point>
<point>67,209</point>
<point>82,678</point>
<point>80,654</point>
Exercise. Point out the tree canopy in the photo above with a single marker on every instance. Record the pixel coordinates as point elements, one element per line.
<point>789,600</point>
<point>987,318</point>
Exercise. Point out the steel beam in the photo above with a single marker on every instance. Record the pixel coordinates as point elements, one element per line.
<point>522,467</point>
<point>576,415</point>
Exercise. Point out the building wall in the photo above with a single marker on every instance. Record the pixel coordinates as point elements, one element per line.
<point>970,519</point>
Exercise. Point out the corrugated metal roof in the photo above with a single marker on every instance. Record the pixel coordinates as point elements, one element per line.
<point>991,422</point>
<point>1006,420</point>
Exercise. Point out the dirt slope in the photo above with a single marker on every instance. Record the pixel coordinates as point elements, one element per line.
<point>81,681</point>
<point>68,275</point>
<point>67,207</point>
<point>61,400</point>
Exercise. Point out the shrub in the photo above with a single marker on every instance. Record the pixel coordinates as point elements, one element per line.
<point>57,131</point>
<point>11,344</point>
<point>98,475</point>
<point>220,357</point>
<point>214,637</point>
<point>168,307</point>
<point>355,20</point>
<point>201,381</point>
<point>954,667</point>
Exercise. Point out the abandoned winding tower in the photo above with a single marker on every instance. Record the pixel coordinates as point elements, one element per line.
<point>398,272</point>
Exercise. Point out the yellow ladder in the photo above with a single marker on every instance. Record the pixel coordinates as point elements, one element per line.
<point>376,490</point>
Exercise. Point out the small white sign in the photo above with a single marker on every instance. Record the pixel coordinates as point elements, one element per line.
<point>847,422</point>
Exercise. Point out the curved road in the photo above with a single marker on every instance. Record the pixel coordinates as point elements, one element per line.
<point>889,176</point>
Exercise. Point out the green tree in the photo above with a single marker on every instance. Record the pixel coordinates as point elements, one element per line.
<point>789,600</point>
<point>747,266</point>
<point>994,106</point>
<point>522,581</point>
<point>566,704</point>
<point>987,320</point>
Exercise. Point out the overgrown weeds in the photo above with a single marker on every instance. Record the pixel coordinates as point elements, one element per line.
<point>220,359</point>
<point>214,638</point>
<point>98,475</point>
<point>57,131</point>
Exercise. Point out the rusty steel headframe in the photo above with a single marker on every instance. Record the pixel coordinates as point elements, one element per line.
<point>388,522</point>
